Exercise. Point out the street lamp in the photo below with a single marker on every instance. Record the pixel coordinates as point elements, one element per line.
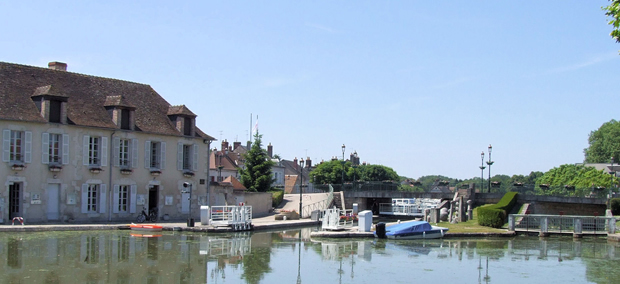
<point>188,189</point>
<point>612,173</point>
<point>482,167</point>
<point>301,183</point>
<point>343,148</point>
<point>490,163</point>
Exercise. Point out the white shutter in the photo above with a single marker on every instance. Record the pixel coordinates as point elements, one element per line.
<point>180,156</point>
<point>28,150</point>
<point>45,148</point>
<point>134,153</point>
<point>6,145</point>
<point>147,154</point>
<point>102,197</point>
<point>115,198</point>
<point>85,146</point>
<point>132,199</point>
<point>116,145</point>
<point>104,151</point>
<point>194,157</point>
<point>65,149</point>
<point>162,155</point>
<point>84,198</point>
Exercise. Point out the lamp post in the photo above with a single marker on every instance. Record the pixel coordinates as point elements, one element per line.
<point>612,173</point>
<point>301,183</point>
<point>343,148</point>
<point>490,163</point>
<point>482,167</point>
<point>188,189</point>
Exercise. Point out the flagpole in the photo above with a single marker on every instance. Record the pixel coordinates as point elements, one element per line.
<point>250,128</point>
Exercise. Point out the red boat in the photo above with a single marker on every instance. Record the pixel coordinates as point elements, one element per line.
<point>145,227</point>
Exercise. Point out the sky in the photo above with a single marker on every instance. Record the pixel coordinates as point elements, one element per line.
<point>422,87</point>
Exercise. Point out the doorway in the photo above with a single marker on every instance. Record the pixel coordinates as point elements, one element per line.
<point>53,197</point>
<point>15,193</point>
<point>153,197</point>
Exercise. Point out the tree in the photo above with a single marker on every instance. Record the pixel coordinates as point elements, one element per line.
<point>613,11</point>
<point>604,143</point>
<point>331,172</point>
<point>581,178</point>
<point>256,176</point>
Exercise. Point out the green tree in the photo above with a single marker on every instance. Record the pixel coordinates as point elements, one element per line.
<point>257,175</point>
<point>378,173</point>
<point>580,177</point>
<point>613,11</point>
<point>332,172</point>
<point>604,143</point>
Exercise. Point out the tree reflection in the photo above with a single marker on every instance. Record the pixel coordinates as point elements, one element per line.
<point>256,264</point>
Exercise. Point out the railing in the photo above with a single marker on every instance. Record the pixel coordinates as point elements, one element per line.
<point>237,217</point>
<point>561,224</point>
<point>336,219</point>
<point>306,210</point>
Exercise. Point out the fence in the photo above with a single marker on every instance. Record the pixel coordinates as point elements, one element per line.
<point>237,217</point>
<point>561,224</point>
<point>306,210</point>
<point>359,186</point>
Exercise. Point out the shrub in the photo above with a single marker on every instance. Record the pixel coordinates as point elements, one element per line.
<point>495,215</point>
<point>615,206</point>
<point>276,198</point>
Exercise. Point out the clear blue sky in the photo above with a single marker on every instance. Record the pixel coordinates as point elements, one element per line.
<point>419,86</point>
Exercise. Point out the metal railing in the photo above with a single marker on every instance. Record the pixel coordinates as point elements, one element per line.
<point>336,219</point>
<point>237,217</point>
<point>306,210</point>
<point>562,224</point>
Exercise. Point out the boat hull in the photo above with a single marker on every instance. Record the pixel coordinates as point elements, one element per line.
<point>145,228</point>
<point>435,233</point>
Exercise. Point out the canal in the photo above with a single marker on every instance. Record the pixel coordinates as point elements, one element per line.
<point>292,257</point>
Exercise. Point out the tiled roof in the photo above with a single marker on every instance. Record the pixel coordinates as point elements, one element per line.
<point>118,101</point>
<point>236,184</point>
<point>180,110</point>
<point>86,95</point>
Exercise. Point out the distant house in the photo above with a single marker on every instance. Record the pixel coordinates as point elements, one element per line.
<point>84,148</point>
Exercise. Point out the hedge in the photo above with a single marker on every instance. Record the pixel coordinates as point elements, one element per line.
<point>495,215</point>
<point>276,198</point>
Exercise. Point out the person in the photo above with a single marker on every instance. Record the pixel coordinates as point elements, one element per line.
<point>375,208</point>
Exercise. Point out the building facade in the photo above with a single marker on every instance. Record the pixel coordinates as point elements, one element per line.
<point>80,148</point>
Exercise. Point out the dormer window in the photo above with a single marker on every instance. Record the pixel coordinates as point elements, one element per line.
<point>121,112</point>
<point>51,103</point>
<point>183,119</point>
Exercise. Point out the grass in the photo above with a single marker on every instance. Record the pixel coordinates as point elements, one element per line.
<point>471,226</point>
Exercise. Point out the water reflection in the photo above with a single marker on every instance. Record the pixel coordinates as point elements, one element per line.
<point>291,256</point>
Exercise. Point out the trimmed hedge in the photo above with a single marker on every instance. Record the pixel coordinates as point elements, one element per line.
<point>614,204</point>
<point>495,215</point>
<point>276,198</point>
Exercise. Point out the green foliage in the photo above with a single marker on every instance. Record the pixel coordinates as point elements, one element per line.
<point>604,143</point>
<point>614,204</point>
<point>613,11</point>
<point>582,178</point>
<point>332,173</point>
<point>276,197</point>
<point>495,215</point>
<point>426,182</point>
<point>257,175</point>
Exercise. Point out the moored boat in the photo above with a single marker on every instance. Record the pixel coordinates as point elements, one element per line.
<point>145,227</point>
<point>412,230</point>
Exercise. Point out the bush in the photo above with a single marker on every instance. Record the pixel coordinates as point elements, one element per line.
<point>614,204</point>
<point>495,215</point>
<point>276,198</point>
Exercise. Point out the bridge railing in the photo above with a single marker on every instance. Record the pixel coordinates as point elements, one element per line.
<point>306,210</point>
<point>561,223</point>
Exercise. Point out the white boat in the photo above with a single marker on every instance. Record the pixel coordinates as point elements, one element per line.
<point>408,206</point>
<point>412,230</point>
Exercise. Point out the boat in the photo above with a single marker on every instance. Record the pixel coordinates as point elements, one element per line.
<point>412,230</point>
<point>145,227</point>
<point>140,235</point>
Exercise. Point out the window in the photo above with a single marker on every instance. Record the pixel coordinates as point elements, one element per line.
<point>125,122</point>
<point>125,152</point>
<point>124,199</point>
<point>16,146</point>
<point>55,149</point>
<point>187,159</point>
<point>93,198</point>
<point>155,155</point>
<point>187,126</point>
<point>95,151</point>
<point>55,110</point>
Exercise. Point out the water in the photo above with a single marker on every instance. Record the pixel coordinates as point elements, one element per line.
<point>292,257</point>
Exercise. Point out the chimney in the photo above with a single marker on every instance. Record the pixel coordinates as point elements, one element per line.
<point>295,160</point>
<point>55,65</point>
<point>270,150</point>
<point>236,144</point>
<point>308,162</point>
<point>224,145</point>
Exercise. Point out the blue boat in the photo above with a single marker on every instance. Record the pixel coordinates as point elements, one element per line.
<point>414,230</point>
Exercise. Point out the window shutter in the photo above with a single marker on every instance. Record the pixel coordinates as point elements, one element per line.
<point>132,199</point>
<point>102,197</point>
<point>104,151</point>
<point>115,198</point>
<point>162,163</point>
<point>147,154</point>
<point>65,149</point>
<point>85,150</point>
<point>28,150</point>
<point>116,145</point>
<point>180,156</point>
<point>134,153</point>
<point>6,144</point>
<point>195,157</point>
<point>84,198</point>
<point>45,148</point>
